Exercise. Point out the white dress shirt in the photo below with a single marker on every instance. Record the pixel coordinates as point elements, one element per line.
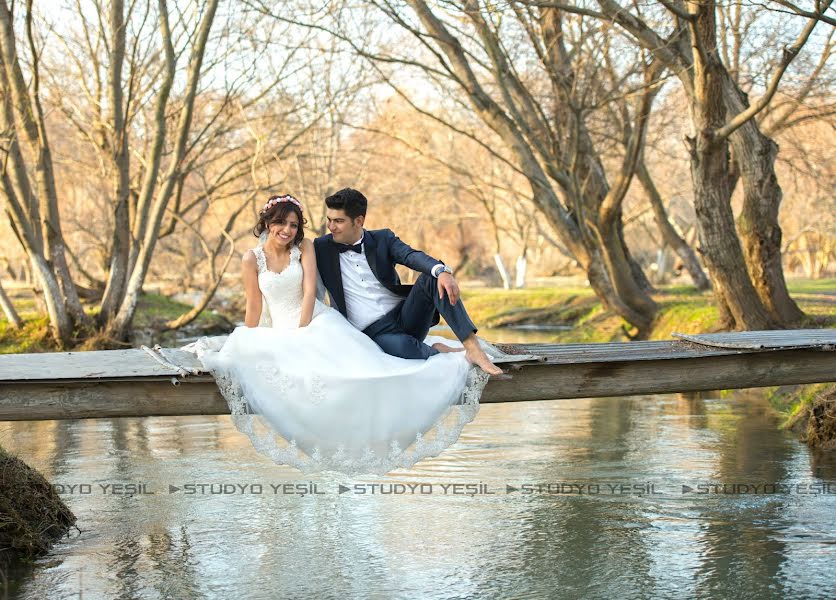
<point>366,299</point>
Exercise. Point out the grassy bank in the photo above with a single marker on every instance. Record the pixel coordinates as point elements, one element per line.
<point>681,309</point>
<point>153,311</point>
<point>809,411</point>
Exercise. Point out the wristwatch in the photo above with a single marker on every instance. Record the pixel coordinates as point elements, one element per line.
<point>439,269</point>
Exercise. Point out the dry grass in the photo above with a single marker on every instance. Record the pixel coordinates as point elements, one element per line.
<point>32,515</point>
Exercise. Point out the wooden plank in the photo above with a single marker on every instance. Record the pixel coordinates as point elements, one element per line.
<point>114,365</point>
<point>760,340</point>
<point>85,399</point>
<point>99,364</point>
<point>622,351</point>
<point>554,381</point>
<point>551,381</point>
<point>135,363</point>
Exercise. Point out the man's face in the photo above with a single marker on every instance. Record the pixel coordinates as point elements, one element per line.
<point>344,230</point>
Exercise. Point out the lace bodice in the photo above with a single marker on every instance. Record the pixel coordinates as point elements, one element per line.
<point>282,292</point>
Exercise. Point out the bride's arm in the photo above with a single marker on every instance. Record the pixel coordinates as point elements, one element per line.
<point>308,282</point>
<point>249,273</point>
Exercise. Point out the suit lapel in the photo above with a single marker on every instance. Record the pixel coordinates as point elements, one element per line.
<point>370,249</point>
<point>334,262</point>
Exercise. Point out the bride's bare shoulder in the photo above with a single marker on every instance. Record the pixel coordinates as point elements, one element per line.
<point>249,260</point>
<point>306,245</point>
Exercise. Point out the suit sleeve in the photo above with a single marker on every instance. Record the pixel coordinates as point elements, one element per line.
<point>403,254</point>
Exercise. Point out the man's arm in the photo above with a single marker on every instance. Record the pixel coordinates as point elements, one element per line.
<point>416,260</point>
<point>424,263</point>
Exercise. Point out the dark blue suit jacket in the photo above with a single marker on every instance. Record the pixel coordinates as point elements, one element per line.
<point>383,250</point>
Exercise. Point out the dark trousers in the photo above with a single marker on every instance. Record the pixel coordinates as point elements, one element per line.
<point>402,330</point>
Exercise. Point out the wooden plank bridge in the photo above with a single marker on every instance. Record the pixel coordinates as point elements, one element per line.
<point>142,383</point>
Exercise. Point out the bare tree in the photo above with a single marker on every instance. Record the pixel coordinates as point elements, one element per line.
<point>29,179</point>
<point>535,95</point>
<point>183,123</point>
<point>727,145</point>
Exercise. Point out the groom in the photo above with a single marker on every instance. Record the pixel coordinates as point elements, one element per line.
<point>357,267</point>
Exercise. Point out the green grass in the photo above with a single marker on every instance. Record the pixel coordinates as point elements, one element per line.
<point>543,306</point>
<point>789,401</point>
<point>809,411</point>
<point>812,286</point>
<point>34,336</point>
<point>682,309</point>
<point>153,311</point>
<point>687,315</point>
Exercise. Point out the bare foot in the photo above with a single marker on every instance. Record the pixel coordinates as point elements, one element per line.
<point>477,356</point>
<point>444,348</point>
<point>480,359</point>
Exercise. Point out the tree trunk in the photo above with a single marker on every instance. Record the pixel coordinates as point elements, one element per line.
<point>712,176</point>
<point>737,299</point>
<point>669,233</point>
<point>118,326</point>
<point>760,233</point>
<point>32,127</point>
<point>635,268</point>
<point>120,160</point>
<point>60,322</point>
<point>9,309</point>
<point>600,283</point>
<point>503,272</point>
<point>520,271</point>
<point>624,284</point>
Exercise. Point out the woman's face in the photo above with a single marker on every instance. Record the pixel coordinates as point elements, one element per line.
<point>284,231</point>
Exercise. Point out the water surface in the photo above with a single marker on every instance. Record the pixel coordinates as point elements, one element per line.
<point>528,526</point>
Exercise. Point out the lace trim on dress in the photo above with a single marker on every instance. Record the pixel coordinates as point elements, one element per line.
<point>444,433</point>
<point>261,259</point>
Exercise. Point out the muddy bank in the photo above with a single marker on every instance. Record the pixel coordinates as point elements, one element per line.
<point>815,419</point>
<point>32,515</point>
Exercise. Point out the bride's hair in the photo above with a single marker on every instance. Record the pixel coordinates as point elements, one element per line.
<point>277,213</point>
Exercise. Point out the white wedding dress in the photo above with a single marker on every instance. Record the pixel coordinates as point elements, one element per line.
<point>325,397</point>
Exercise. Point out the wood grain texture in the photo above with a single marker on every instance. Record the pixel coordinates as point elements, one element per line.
<point>758,340</point>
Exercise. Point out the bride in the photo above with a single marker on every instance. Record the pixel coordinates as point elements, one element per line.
<point>313,392</point>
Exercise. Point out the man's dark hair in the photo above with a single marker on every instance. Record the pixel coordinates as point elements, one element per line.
<point>351,201</point>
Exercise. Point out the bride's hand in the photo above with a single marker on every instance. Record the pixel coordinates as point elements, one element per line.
<point>304,322</point>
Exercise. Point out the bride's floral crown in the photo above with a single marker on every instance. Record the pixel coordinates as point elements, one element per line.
<point>274,200</point>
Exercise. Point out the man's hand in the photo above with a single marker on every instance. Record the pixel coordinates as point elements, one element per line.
<point>448,283</point>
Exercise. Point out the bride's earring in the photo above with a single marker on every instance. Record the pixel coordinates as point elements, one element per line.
<point>263,237</point>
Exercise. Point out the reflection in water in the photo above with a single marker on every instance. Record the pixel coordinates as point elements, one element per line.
<point>527,540</point>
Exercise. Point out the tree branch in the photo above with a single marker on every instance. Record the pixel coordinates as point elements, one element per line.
<point>787,57</point>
